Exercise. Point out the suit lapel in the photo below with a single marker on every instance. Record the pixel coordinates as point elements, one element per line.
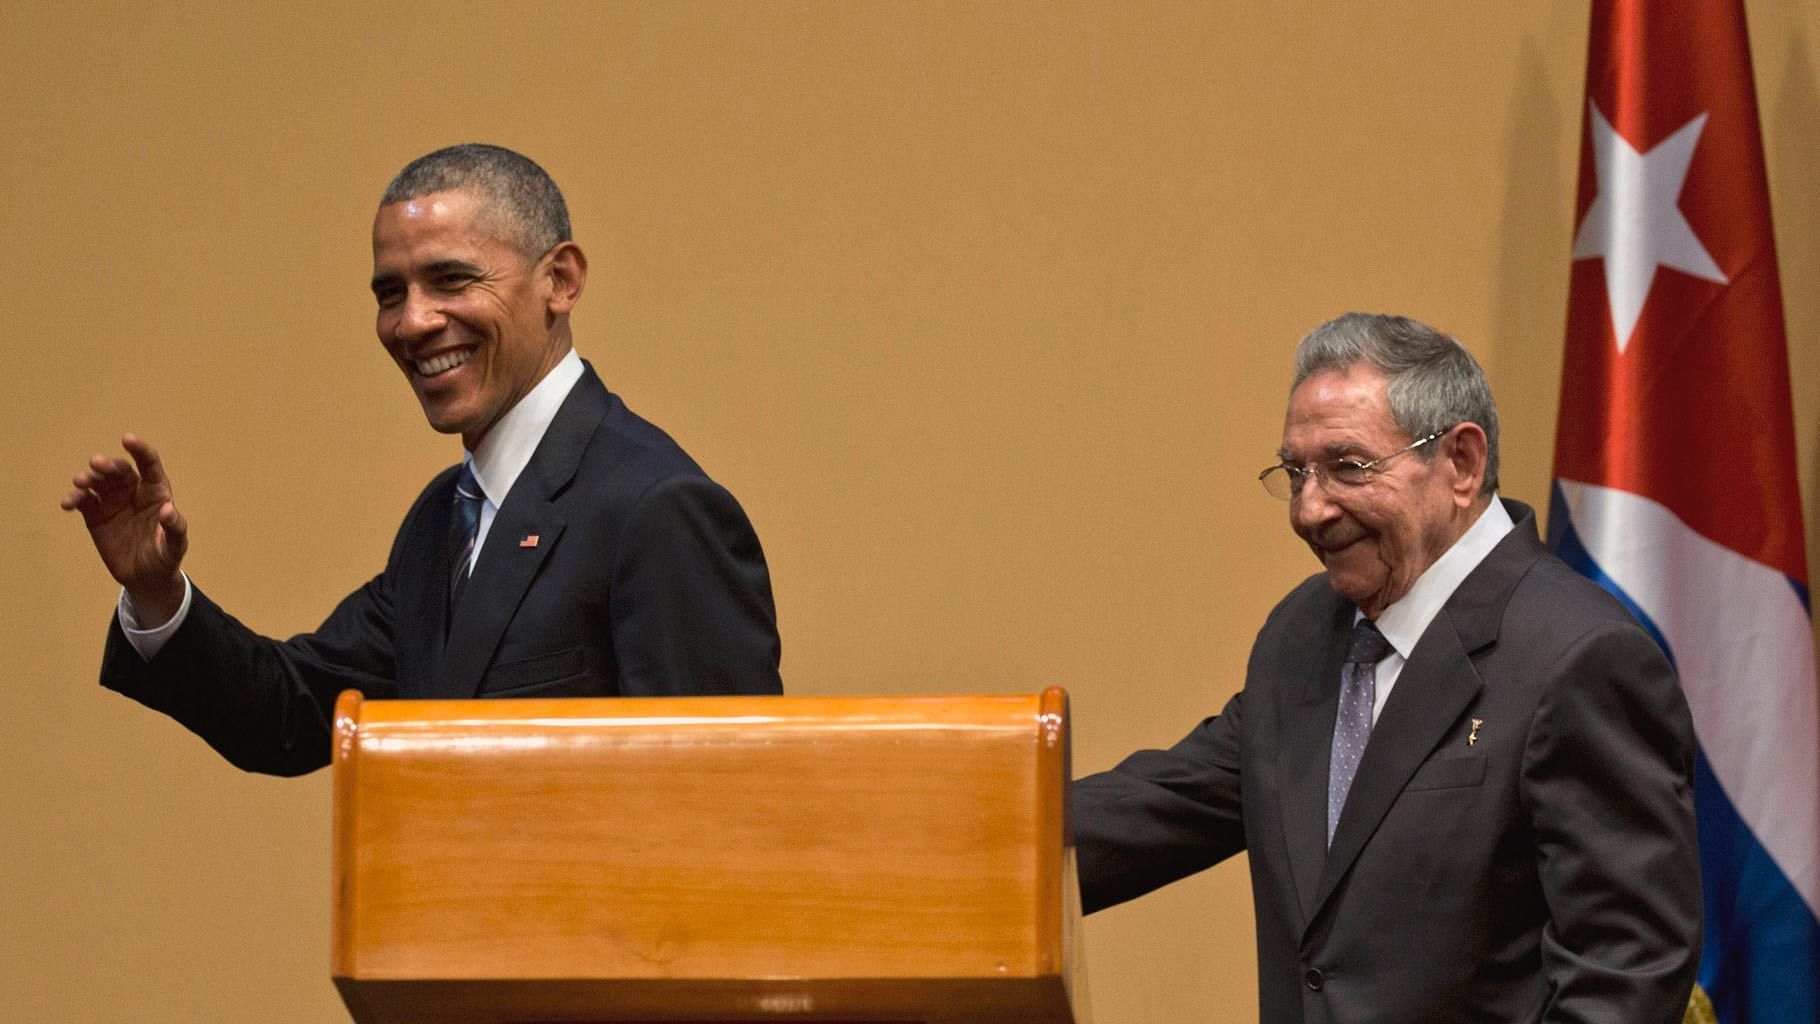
<point>524,531</point>
<point>1307,740</point>
<point>1433,690</point>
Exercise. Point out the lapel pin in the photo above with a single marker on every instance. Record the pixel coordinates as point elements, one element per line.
<point>530,541</point>
<point>1472,738</point>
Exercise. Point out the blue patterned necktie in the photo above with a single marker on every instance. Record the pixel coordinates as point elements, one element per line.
<point>1352,726</point>
<point>464,526</point>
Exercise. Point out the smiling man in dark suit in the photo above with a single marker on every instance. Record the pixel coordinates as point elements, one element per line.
<point>1461,771</point>
<point>576,551</point>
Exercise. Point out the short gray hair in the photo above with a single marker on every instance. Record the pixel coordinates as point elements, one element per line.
<point>520,196</point>
<point>1434,382</point>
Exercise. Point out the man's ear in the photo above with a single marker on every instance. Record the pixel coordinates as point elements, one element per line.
<point>1467,451</point>
<point>567,270</point>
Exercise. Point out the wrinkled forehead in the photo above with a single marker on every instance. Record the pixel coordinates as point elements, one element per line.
<point>1339,412</point>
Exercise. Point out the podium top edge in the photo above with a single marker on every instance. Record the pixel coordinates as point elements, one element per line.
<point>354,712</point>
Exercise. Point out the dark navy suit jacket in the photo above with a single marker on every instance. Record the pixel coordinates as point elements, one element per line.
<point>615,567</point>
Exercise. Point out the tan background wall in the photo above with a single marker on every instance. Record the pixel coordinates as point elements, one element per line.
<point>983,310</point>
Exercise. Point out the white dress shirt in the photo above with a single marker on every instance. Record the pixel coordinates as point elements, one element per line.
<point>1404,622</point>
<point>498,461</point>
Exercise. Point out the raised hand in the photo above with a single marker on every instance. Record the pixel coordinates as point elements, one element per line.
<point>137,529</point>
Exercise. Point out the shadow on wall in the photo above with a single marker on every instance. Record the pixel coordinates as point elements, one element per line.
<point>1530,305</point>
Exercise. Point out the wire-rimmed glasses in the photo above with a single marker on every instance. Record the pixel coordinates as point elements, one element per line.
<point>1284,481</point>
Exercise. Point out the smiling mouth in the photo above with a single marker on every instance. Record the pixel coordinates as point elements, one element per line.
<point>442,363</point>
<point>1334,545</point>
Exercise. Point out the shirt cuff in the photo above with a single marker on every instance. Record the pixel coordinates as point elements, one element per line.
<point>148,642</point>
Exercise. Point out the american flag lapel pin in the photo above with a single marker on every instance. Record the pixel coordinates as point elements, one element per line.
<point>530,541</point>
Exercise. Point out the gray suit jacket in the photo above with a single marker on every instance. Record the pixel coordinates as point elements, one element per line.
<point>1542,870</point>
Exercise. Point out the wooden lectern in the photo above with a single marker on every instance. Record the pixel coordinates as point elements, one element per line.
<point>705,859</point>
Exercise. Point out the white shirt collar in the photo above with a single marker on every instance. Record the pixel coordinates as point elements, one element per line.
<point>1404,622</point>
<point>506,450</point>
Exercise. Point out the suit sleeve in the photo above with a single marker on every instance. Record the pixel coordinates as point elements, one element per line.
<point>1607,780</point>
<point>691,608</point>
<point>266,705</point>
<point>1160,815</point>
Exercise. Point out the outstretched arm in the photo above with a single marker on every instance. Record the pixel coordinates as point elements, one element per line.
<point>265,705</point>
<point>1160,815</point>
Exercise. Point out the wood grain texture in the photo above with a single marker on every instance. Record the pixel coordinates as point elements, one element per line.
<point>703,859</point>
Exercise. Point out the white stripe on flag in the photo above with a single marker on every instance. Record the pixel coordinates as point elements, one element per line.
<point>1744,648</point>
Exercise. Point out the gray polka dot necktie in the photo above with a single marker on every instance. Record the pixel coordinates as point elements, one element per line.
<point>1352,726</point>
<point>464,526</point>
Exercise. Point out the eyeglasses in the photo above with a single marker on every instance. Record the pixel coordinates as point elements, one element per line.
<point>1285,481</point>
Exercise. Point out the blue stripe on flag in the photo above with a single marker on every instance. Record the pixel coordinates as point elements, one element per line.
<point>1761,957</point>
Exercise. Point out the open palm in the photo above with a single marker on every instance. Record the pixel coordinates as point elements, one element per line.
<point>132,520</point>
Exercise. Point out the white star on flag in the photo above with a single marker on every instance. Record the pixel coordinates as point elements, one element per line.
<point>1635,224</point>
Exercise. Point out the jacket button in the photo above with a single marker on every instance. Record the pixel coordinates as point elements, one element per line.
<point>1314,979</point>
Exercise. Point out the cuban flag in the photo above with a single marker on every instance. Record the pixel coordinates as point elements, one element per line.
<point>1675,482</point>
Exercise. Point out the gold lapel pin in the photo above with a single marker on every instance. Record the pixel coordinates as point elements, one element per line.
<point>1472,738</point>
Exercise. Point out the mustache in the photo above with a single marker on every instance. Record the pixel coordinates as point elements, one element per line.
<point>1333,536</point>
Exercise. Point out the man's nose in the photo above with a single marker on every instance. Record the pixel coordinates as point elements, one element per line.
<point>420,317</point>
<point>1310,506</point>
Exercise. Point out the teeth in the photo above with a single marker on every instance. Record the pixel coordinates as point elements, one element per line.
<point>446,361</point>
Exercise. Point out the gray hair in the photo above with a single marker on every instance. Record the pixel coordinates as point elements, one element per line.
<point>1434,382</point>
<point>520,197</point>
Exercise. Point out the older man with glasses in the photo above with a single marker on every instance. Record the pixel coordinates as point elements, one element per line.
<point>1462,772</point>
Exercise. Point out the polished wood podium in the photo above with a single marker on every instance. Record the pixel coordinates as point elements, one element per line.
<point>706,859</point>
